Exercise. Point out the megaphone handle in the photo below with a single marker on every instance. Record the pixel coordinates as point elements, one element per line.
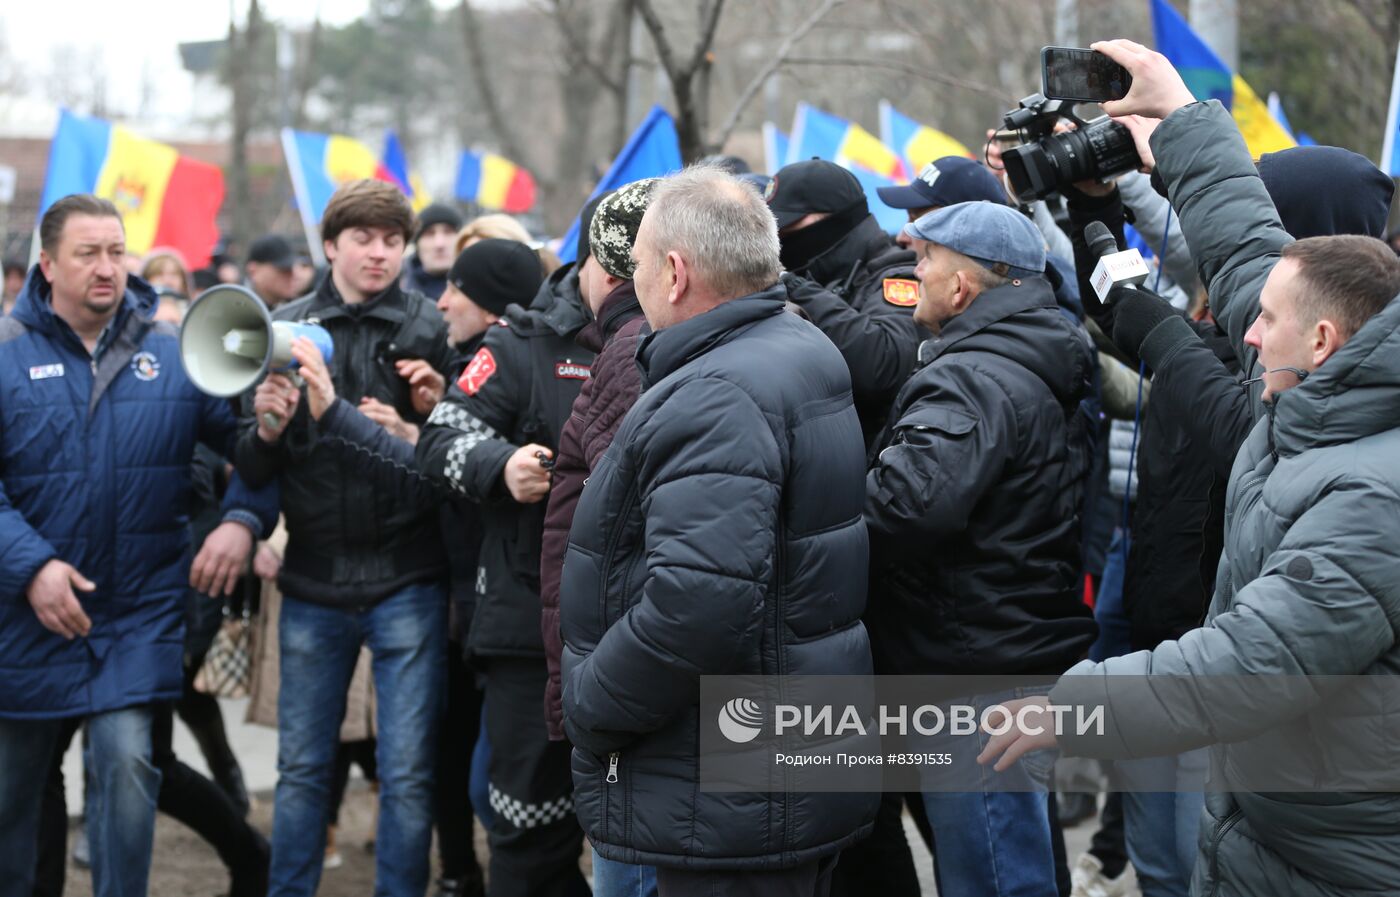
<point>274,421</point>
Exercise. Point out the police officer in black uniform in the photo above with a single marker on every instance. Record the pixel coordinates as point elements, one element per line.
<point>492,439</point>
<point>850,279</point>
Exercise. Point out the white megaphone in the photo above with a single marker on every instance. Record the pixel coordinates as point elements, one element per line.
<point>228,341</point>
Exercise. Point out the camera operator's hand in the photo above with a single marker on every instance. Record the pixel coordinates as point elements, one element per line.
<point>425,384</point>
<point>1141,128</point>
<point>1157,90</point>
<point>993,158</point>
<point>320,390</point>
<point>527,478</point>
<point>278,396</point>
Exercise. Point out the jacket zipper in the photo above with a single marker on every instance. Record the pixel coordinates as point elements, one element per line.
<point>1221,827</point>
<point>612,767</point>
<point>605,566</point>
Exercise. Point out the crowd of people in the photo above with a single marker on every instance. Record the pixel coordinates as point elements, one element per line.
<point>524,507</point>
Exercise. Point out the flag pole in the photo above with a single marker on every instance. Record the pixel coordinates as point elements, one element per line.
<point>303,196</point>
<point>1388,146</point>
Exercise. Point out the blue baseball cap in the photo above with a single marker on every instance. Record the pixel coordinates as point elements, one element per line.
<point>987,232</point>
<point>945,182</point>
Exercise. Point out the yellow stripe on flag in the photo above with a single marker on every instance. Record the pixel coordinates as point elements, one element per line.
<point>134,177</point>
<point>497,172</point>
<point>1261,131</point>
<point>421,198</point>
<point>348,160</point>
<point>866,150</point>
<point>928,145</point>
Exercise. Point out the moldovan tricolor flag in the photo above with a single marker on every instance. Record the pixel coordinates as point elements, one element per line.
<point>165,199</point>
<point>494,182</point>
<point>917,143</point>
<point>320,163</point>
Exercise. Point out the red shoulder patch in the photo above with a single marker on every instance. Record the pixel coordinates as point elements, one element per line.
<point>902,292</point>
<point>483,365</point>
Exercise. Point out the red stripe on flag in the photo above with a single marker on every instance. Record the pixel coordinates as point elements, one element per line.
<point>188,216</point>
<point>520,196</point>
<point>382,173</point>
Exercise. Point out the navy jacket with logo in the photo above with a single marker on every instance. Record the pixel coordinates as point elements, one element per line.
<point>95,459</point>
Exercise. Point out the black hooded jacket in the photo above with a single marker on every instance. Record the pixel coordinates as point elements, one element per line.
<point>974,500</point>
<point>861,293</point>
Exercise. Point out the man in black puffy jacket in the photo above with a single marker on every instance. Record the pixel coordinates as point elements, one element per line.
<point>719,534</point>
<point>973,508</point>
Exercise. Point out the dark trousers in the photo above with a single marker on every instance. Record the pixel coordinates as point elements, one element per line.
<point>51,867</point>
<point>207,810</point>
<point>882,863</point>
<point>1108,844</point>
<point>535,839</point>
<point>184,795</point>
<point>811,879</point>
<point>457,740</point>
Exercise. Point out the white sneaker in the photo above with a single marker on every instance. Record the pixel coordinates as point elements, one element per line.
<point>1089,881</point>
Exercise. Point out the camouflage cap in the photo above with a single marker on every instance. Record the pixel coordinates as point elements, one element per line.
<point>614,227</point>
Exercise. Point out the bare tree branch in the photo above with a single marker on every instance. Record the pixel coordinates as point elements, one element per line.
<point>709,24</point>
<point>915,71</point>
<point>754,86</point>
<point>574,39</point>
<point>490,100</point>
<point>658,36</point>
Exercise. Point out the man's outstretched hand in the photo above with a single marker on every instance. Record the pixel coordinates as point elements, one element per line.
<point>1034,731</point>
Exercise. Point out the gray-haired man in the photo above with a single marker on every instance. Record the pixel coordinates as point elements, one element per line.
<point>743,449</point>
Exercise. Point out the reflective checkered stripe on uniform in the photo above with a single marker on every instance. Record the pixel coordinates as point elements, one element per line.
<point>474,432</point>
<point>523,815</point>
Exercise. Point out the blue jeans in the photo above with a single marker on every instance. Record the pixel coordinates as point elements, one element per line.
<point>479,788</point>
<point>1114,628</point>
<point>993,842</point>
<point>121,799</point>
<point>1161,827</point>
<point>407,636</point>
<point>614,879</point>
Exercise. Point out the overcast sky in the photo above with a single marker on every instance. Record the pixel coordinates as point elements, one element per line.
<point>138,38</point>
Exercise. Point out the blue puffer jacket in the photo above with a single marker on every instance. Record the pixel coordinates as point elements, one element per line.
<point>95,470</point>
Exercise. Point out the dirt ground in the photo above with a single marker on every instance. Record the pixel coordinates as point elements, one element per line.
<point>185,866</point>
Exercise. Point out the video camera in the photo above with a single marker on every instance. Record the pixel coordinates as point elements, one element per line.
<point>1045,161</point>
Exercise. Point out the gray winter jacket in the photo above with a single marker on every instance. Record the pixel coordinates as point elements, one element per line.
<point>1309,583</point>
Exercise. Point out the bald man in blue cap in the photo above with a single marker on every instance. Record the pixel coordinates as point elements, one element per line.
<point>972,509</point>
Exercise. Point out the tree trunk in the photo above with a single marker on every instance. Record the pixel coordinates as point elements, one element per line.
<point>242,57</point>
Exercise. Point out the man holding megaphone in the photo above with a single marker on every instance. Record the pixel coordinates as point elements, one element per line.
<point>364,563</point>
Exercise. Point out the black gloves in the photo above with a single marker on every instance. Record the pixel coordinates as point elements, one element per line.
<point>1135,314</point>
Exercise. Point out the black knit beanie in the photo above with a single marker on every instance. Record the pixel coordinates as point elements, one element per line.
<point>496,273</point>
<point>585,221</point>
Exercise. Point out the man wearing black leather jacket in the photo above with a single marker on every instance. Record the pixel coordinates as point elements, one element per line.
<point>364,563</point>
<point>857,286</point>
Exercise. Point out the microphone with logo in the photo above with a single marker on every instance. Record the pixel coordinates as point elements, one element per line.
<point>1118,269</point>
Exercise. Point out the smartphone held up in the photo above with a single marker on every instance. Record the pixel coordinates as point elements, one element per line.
<point>1085,76</point>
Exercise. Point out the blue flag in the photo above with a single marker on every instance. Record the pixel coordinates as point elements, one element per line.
<point>652,151</point>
